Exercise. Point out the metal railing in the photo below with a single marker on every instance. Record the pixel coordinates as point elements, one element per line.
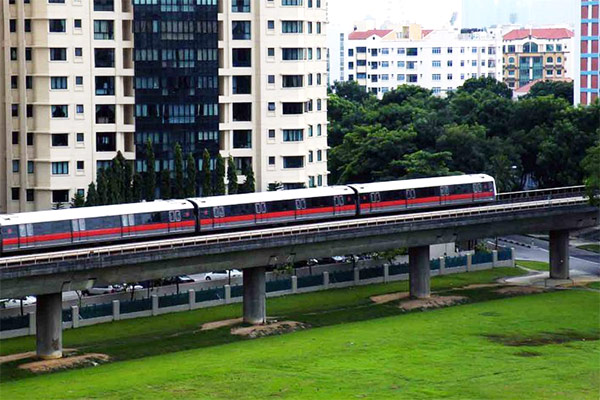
<point>170,244</point>
<point>541,194</point>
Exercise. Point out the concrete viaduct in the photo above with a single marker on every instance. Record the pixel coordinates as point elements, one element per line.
<point>48,275</point>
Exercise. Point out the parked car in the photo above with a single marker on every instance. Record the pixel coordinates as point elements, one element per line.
<point>10,303</point>
<point>177,280</point>
<point>104,289</point>
<point>217,275</point>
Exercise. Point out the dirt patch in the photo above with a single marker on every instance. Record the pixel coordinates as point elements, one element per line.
<point>64,363</point>
<point>388,298</point>
<point>29,354</point>
<point>516,290</point>
<point>432,302</point>
<point>544,338</point>
<point>273,328</point>
<point>209,326</point>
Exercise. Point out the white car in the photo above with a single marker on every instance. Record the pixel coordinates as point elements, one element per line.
<point>10,303</point>
<point>219,275</point>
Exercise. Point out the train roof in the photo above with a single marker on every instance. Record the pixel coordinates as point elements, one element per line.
<point>250,198</point>
<point>93,212</point>
<point>420,183</point>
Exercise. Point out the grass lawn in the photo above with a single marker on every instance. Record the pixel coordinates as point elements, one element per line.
<point>522,347</point>
<point>594,285</point>
<point>590,247</point>
<point>535,265</point>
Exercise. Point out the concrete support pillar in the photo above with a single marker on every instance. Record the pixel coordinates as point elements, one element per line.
<point>294,284</point>
<point>255,296</point>
<point>419,272</point>
<point>227,294</point>
<point>494,258</point>
<point>513,262</point>
<point>32,323</point>
<point>469,262</point>
<point>75,316</point>
<point>154,305</point>
<point>116,310</point>
<point>326,280</point>
<point>49,326</point>
<point>559,254</point>
<point>442,265</point>
<point>386,273</point>
<point>356,276</point>
<point>192,298</point>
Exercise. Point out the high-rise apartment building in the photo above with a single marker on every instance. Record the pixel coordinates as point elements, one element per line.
<point>176,80</point>
<point>534,54</point>
<point>381,60</point>
<point>67,97</point>
<point>273,89</point>
<point>587,59</point>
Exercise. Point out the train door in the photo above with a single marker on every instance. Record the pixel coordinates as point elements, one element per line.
<point>444,195</point>
<point>261,211</point>
<point>411,197</point>
<point>218,217</point>
<point>338,205</point>
<point>301,209</point>
<point>26,236</point>
<point>78,228</point>
<point>375,198</point>
<point>175,221</point>
<point>476,191</point>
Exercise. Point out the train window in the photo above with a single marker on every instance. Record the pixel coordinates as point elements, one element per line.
<point>204,213</point>
<point>75,225</point>
<point>477,188</point>
<point>487,187</point>
<point>364,198</point>
<point>219,212</point>
<point>444,191</point>
<point>124,220</point>
<point>130,220</point>
<point>375,197</point>
<point>425,192</point>
<point>103,222</point>
<point>411,194</point>
<point>9,231</point>
<point>461,189</point>
<point>22,230</point>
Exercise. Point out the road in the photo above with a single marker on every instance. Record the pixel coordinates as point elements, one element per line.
<point>582,261</point>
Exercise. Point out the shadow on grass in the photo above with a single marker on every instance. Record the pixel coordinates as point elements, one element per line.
<point>544,338</point>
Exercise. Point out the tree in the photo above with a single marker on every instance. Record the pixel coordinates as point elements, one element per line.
<point>206,174</point>
<point>486,83</point>
<point>351,91</point>
<point>78,200</point>
<point>423,164</point>
<point>591,168</point>
<point>165,184</point>
<point>471,158</point>
<point>102,188</point>
<point>275,187</point>
<point>219,183</point>
<point>150,175</point>
<point>137,188</point>
<point>92,196</point>
<point>114,182</point>
<point>232,183</point>
<point>249,184</point>
<point>179,192</point>
<point>558,89</point>
<point>191,177</point>
<point>126,189</point>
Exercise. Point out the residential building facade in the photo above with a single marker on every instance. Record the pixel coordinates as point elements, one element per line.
<point>587,59</point>
<point>273,89</point>
<point>67,96</point>
<point>534,54</point>
<point>381,60</point>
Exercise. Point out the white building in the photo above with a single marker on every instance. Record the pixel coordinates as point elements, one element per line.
<point>440,60</point>
<point>280,124</point>
<point>67,96</point>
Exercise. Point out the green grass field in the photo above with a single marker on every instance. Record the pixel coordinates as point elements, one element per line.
<point>535,265</point>
<point>590,247</point>
<point>521,347</point>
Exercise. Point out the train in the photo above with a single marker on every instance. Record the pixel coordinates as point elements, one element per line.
<point>26,232</point>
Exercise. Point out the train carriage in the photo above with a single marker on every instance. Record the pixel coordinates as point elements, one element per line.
<point>95,224</point>
<point>269,208</point>
<point>411,194</point>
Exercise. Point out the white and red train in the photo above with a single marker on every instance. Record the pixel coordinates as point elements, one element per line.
<point>71,227</point>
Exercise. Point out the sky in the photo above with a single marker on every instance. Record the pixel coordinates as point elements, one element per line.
<point>437,14</point>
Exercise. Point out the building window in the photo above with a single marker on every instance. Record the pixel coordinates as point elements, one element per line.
<point>106,141</point>
<point>271,106</point>
<point>77,23</point>
<point>14,110</point>
<point>78,52</point>
<point>242,84</point>
<point>436,50</point>
<point>15,137</point>
<point>104,5</point>
<point>58,82</point>
<point>292,108</point>
<point>242,139</point>
<point>293,135</point>
<point>242,112</point>
<point>60,168</point>
<point>240,6</point>
<point>79,137</point>
<point>57,25</point>
<point>105,86</point>
<point>29,138</point>
<point>30,195</point>
<point>271,160</point>
<point>271,133</point>
<point>105,114</point>
<point>271,25</point>
<point>61,111</point>
<point>293,162</point>
<point>104,58</point>
<point>104,29</point>
<point>14,82</point>
<point>60,196</point>
<point>240,30</point>
<point>241,57</point>
<point>30,167</point>
<point>15,165</point>
<point>80,165</point>
<point>271,79</point>
<point>319,155</point>
<point>58,54</point>
<point>60,139</point>
<point>15,193</point>
<point>78,80</point>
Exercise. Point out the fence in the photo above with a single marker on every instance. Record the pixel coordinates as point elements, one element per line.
<point>98,313</point>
